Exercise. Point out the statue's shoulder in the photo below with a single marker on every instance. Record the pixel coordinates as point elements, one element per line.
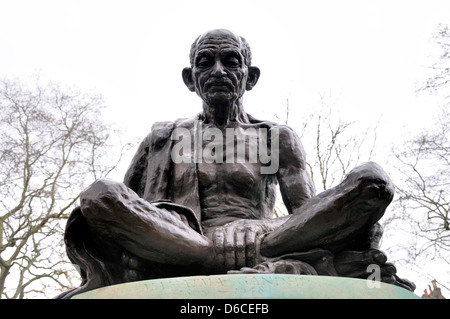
<point>166,127</point>
<point>291,143</point>
<point>187,122</point>
<point>270,124</point>
<point>161,131</point>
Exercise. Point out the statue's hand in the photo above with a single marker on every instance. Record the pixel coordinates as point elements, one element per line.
<point>372,262</point>
<point>237,244</point>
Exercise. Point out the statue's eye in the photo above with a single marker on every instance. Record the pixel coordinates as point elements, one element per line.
<point>204,62</point>
<point>232,62</point>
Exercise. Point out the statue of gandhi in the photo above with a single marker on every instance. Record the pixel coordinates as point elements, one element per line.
<point>181,214</point>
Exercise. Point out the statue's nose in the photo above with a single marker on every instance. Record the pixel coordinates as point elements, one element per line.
<point>218,69</point>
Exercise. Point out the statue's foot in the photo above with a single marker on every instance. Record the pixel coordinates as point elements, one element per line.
<point>372,262</point>
<point>133,267</point>
<point>374,187</point>
<point>401,282</point>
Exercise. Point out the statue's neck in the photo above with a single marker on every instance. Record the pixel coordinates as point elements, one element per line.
<point>222,115</point>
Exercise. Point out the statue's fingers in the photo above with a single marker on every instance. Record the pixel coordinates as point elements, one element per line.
<point>229,248</point>
<point>250,249</point>
<point>239,237</point>
<point>218,238</point>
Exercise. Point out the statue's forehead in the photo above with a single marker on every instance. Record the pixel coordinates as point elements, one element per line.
<point>217,40</point>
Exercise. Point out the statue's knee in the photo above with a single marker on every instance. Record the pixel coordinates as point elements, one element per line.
<point>100,188</point>
<point>100,198</point>
<point>369,171</point>
<point>373,180</point>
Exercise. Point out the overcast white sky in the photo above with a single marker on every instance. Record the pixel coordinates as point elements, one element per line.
<point>367,55</point>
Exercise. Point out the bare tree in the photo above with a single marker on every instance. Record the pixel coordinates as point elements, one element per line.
<point>422,204</point>
<point>439,79</point>
<point>426,168</point>
<point>334,146</point>
<point>52,142</point>
<point>423,187</point>
<point>423,195</point>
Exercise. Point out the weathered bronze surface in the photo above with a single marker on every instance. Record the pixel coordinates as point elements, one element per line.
<point>198,198</point>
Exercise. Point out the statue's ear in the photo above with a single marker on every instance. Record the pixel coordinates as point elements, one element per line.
<point>187,78</point>
<point>253,76</point>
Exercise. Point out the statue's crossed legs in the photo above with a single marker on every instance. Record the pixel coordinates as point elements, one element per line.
<point>337,223</point>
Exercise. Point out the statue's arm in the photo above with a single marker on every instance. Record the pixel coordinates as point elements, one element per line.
<point>296,185</point>
<point>154,143</point>
<point>136,173</point>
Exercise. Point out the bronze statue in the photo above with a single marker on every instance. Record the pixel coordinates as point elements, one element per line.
<point>198,196</point>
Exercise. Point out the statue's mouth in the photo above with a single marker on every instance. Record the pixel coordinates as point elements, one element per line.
<point>225,86</point>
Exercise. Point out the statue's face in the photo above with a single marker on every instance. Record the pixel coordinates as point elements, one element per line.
<point>219,72</point>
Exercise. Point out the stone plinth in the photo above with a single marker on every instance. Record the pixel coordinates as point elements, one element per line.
<point>259,286</point>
